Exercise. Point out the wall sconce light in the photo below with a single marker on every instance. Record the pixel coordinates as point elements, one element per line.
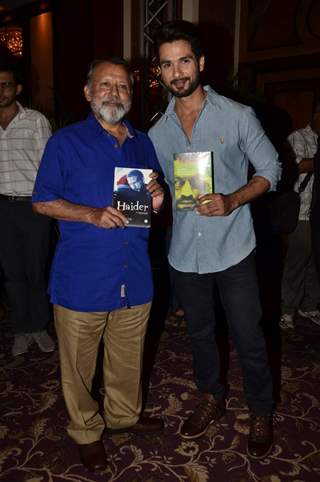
<point>11,38</point>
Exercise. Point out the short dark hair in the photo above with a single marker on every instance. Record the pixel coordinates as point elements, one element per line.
<point>180,30</point>
<point>13,69</point>
<point>110,60</point>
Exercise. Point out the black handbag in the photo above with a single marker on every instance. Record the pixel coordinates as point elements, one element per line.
<point>284,208</point>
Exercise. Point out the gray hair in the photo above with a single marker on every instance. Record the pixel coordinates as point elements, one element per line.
<point>110,60</point>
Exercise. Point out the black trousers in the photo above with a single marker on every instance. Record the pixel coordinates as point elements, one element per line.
<point>238,289</point>
<point>24,248</point>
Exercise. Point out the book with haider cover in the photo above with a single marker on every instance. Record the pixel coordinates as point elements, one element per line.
<point>193,176</point>
<point>130,195</point>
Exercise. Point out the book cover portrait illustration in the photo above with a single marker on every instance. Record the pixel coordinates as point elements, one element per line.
<point>130,195</point>
<point>193,176</point>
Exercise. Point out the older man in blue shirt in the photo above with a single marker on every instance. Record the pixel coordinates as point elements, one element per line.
<point>101,283</point>
<point>214,243</point>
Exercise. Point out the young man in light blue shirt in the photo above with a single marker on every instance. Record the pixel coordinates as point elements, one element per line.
<point>214,243</point>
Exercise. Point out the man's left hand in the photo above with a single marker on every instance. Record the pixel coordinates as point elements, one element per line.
<point>215,204</point>
<point>156,192</point>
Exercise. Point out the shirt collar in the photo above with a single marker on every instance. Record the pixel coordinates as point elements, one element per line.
<point>99,130</point>
<point>310,131</point>
<point>22,111</point>
<point>21,114</point>
<point>211,98</point>
<point>131,130</point>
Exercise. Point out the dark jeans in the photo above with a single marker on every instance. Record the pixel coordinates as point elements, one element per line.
<point>238,289</point>
<point>24,246</point>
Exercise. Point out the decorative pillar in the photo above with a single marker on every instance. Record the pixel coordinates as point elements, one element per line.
<point>153,13</point>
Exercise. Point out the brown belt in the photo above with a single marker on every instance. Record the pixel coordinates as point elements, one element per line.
<point>3,197</point>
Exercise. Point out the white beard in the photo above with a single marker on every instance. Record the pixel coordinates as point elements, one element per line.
<point>112,114</point>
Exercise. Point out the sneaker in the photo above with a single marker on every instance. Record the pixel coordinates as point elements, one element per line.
<point>286,322</point>
<point>311,315</point>
<point>207,412</point>
<point>21,344</point>
<point>260,436</point>
<point>44,341</point>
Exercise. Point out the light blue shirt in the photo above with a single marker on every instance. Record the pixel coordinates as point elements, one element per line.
<point>203,244</point>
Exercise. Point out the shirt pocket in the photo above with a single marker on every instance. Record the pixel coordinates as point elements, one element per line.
<point>83,186</point>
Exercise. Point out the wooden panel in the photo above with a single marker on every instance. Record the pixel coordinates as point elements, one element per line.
<point>272,24</point>
<point>298,104</point>
<point>107,28</point>
<point>72,52</point>
<point>274,28</point>
<point>83,30</point>
<point>42,63</point>
<point>295,91</point>
<point>217,21</point>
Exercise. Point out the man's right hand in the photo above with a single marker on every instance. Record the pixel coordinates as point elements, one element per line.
<point>107,218</point>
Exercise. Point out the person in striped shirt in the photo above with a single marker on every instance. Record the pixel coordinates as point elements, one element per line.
<point>25,235</point>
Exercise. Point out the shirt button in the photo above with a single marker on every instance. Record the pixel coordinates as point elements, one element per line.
<point>125,266</point>
<point>126,242</point>
<point>199,234</point>
<point>116,146</point>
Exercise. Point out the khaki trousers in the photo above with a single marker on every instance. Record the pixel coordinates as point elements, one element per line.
<point>79,334</point>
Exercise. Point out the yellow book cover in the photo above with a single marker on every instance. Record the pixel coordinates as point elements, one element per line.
<point>193,176</point>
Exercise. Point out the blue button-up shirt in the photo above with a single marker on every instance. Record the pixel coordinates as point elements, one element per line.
<point>95,269</point>
<point>204,244</point>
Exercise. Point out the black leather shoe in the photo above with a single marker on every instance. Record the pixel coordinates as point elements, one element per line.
<point>93,456</point>
<point>260,437</point>
<point>207,412</point>
<point>143,426</point>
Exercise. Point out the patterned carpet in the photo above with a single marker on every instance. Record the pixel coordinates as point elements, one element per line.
<point>34,446</point>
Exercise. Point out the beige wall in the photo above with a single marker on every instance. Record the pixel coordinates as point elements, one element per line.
<point>190,10</point>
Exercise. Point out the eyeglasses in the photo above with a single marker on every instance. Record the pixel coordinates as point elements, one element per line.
<point>7,85</point>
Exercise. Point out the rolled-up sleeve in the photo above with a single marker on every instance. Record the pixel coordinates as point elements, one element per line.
<point>298,145</point>
<point>259,149</point>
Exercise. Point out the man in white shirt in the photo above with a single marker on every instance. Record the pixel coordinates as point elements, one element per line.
<point>25,236</point>
<point>300,286</point>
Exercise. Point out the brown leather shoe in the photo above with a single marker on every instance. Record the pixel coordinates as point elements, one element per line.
<point>93,456</point>
<point>260,437</point>
<point>207,412</point>
<point>144,425</point>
